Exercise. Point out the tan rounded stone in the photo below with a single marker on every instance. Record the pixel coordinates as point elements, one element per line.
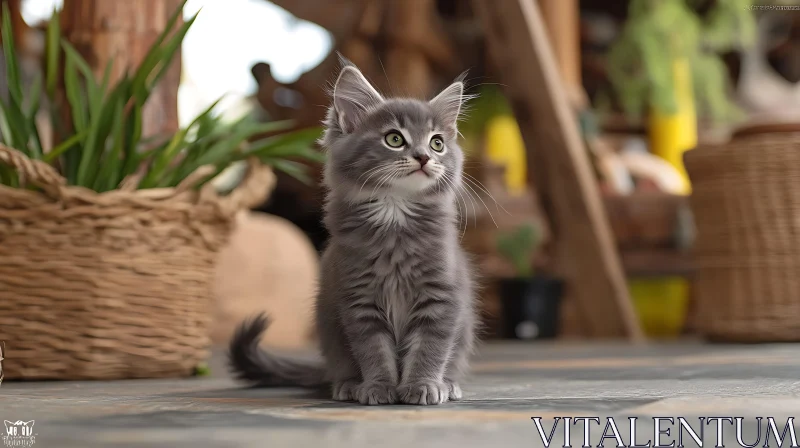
<point>269,266</point>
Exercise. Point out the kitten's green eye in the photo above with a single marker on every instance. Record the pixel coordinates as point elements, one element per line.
<point>394,140</point>
<point>437,144</point>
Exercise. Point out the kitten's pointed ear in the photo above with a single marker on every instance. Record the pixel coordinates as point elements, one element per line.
<point>353,97</point>
<point>447,105</point>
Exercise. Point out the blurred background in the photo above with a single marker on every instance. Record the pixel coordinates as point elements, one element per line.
<point>585,219</point>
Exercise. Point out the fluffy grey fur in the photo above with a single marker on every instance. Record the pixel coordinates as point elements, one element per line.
<point>395,311</point>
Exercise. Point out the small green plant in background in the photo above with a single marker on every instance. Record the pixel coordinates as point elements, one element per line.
<point>99,140</point>
<point>202,370</point>
<point>657,33</point>
<point>518,247</point>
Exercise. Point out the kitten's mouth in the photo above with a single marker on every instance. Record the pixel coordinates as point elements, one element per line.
<point>420,171</point>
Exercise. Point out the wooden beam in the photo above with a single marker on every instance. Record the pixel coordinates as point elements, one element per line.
<point>410,21</point>
<point>558,160</point>
<point>562,21</point>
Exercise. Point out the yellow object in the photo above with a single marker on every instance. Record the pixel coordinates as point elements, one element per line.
<point>673,134</point>
<point>661,305</point>
<point>505,147</point>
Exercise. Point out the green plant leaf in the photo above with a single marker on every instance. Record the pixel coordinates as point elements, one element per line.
<point>107,76</point>
<point>17,137</point>
<point>30,119</point>
<point>222,149</point>
<point>109,175</point>
<point>53,42</point>
<point>657,33</point>
<point>197,133</point>
<point>159,171</point>
<point>5,127</point>
<point>99,128</point>
<point>71,53</point>
<point>75,97</point>
<point>294,169</point>
<point>133,135</point>
<point>518,247</point>
<point>168,53</point>
<point>17,128</point>
<point>159,58</point>
<point>94,93</point>
<point>12,65</point>
<point>292,144</point>
<point>56,152</point>
<point>152,57</point>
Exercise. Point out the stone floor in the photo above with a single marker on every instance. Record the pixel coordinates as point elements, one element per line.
<point>511,384</point>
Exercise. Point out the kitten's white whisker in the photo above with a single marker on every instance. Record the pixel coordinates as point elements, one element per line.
<point>443,179</point>
<point>471,197</point>
<point>385,178</point>
<point>385,165</point>
<point>461,215</point>
<point>382,170</point>
<point>458,190</point>
<point>484,204</point>
<point>477,183</point>
<point>388,82</point>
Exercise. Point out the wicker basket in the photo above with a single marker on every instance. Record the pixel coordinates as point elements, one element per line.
<point>113,285</point>
<point>746,202</point>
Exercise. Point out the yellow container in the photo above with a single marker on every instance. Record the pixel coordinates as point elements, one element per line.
<point>661,305</point>
<point>673,134</point>
<point>504,146</point>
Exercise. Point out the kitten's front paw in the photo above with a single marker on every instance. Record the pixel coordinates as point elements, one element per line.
<point>344,390</point>
<point>454,390</point>
<point>423,393</point>
<point>375,393</point>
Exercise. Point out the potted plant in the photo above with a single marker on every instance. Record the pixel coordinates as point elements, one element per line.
<point>108,240</point>
<point>530,302</point>
<point>666,62</point>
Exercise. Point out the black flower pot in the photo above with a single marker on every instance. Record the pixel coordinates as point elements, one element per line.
<point>531,307</point>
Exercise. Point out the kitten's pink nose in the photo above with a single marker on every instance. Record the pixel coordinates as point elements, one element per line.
<point>422,159</point>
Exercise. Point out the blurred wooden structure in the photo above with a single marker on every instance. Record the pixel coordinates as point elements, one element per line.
<point>561,19</point>
<point>400,46</point>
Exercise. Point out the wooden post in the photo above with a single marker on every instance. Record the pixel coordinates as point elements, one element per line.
<point>562,20</point>
<point>358,47</point>
<point>125,30</point>
<point>519,46</point>
<point>409,24</point>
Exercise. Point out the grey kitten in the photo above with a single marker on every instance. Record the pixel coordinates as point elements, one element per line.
<point>395,312</point>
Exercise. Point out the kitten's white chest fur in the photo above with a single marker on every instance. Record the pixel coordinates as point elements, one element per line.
<point>390,210</point>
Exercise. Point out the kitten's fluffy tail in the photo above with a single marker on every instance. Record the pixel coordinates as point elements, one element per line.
<point>250,363</point>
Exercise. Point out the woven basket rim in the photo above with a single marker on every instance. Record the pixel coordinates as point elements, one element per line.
<point>746,139</point>
<point>252,189</point>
